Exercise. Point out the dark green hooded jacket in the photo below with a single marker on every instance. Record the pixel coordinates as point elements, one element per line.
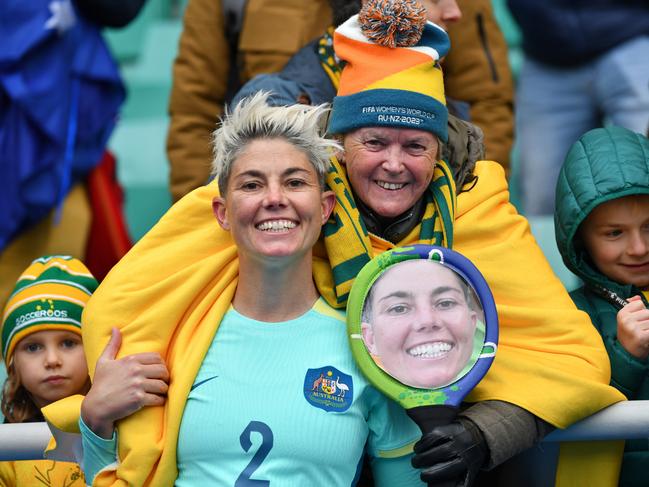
<point>605,164</point>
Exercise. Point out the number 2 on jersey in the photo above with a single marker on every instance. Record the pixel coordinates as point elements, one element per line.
<point>266,433</point>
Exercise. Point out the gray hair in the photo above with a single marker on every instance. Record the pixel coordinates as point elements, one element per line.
<point>253,118</point>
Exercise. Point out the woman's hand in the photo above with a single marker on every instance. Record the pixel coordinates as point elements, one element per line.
<point>633,328</point>
<point>122,387</point>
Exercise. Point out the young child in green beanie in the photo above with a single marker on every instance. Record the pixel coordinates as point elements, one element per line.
<point>43,353</point>
<point>602,229</point>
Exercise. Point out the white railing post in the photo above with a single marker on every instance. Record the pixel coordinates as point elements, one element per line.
<point>23,441</point>
<point>625,420</point>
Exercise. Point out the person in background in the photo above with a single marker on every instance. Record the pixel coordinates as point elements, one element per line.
<point>602,229</point>
<point>43,353</point>
<point>585,65</point>
<point>58,193</point>
<point>477,72</point>
<point>224,44</point>
<point>312,76</point>
<point>391,189</point>
<point>391,125</point>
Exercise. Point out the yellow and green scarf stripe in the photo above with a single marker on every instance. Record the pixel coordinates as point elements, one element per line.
<point>328,58</point>
<point>348,243</point>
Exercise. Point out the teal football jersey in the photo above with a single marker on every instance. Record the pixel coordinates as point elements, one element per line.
<point>284,404</point>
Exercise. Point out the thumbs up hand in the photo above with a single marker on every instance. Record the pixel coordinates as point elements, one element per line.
<point>123,386</point>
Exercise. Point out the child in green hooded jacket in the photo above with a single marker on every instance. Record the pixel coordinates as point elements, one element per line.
<point>602,230</point>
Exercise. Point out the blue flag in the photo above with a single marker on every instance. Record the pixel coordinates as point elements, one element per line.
<point>60,92</point>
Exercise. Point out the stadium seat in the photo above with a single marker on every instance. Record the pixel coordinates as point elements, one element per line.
<point>149,80</point>
<point>139,146</point>
<point>126,43</point>
<point>139,138</point>
<point>512,34</point>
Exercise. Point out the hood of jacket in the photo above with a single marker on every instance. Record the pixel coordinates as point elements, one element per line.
<point>604,164</point>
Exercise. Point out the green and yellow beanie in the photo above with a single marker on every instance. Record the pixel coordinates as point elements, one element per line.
<point>49,295</point>
<point>392,76</point>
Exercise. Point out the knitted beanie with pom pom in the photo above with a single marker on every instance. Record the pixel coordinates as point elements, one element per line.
<point>392,75</point>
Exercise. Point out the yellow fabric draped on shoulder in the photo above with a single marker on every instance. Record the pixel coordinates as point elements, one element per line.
<point>551,360</point>
<point>41,473</point>
<point>169,293</point>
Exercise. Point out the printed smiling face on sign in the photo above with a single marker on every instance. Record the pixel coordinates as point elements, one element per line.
<point>422,325</point>
<point>419,324</point>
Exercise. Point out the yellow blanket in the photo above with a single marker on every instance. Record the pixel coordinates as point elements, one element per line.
<point>170,291</point>
<point>41,473</point>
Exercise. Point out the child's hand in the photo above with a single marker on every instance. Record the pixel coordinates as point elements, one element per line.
<point>633,328</point>
<point>122,387</point>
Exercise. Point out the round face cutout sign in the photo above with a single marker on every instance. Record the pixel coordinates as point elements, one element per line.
<point>422,325</point>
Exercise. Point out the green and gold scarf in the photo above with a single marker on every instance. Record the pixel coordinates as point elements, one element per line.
<point>328,58</point>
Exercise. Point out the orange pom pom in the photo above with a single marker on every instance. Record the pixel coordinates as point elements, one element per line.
<point>393,23</point>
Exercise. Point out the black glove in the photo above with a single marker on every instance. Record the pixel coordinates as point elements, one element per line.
<point>452,453</point>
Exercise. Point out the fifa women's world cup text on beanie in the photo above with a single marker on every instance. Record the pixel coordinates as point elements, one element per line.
<point>49,295</point>
<point>392,75</point>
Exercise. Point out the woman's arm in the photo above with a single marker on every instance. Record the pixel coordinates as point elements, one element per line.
<point>98,453</point>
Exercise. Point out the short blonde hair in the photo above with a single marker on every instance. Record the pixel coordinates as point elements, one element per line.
<point>253,118</point>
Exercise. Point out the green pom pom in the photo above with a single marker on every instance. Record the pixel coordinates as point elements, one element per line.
<point>393,23</point>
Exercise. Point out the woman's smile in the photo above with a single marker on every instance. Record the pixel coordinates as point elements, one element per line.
<point>431,350</point>
<point>276,226</point>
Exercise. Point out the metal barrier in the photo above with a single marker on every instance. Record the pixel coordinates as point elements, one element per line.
<point>627,420</point>
<point>537,466</point>
<point>23,441</point>
<point>624,420</point>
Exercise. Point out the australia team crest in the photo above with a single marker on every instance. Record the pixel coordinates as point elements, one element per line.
<point>329,389</point>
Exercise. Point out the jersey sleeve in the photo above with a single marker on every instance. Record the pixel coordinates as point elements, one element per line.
<point>98,453</point>
<point>391,439</point>
<point>395,472</point>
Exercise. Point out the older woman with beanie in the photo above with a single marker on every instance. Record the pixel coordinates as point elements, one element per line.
<point>391,189</point>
